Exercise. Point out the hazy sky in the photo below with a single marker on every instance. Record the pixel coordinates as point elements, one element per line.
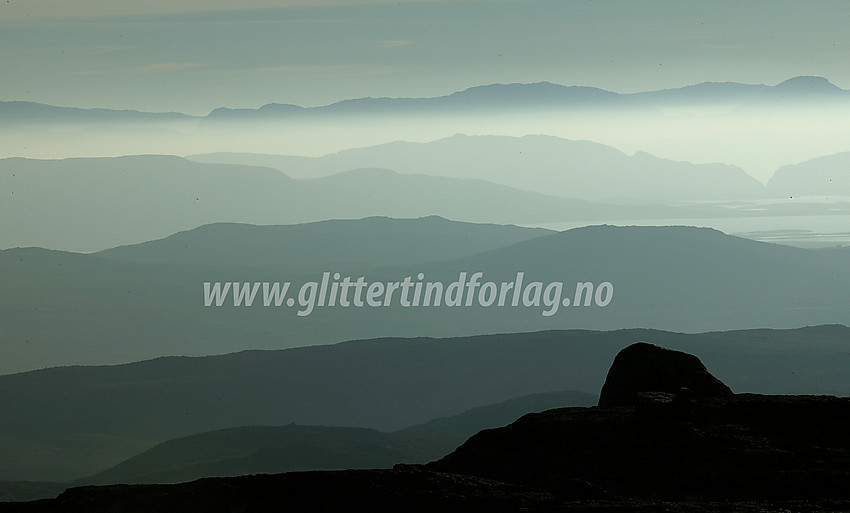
<point>195,56</point>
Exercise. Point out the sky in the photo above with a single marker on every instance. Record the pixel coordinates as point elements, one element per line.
<point>195,56</point>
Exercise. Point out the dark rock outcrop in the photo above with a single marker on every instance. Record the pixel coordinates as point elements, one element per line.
<point>376,491</point>
<point>743,447</point>
<point>665,427</point>
<point>674,439</point>
<point>647,368</point>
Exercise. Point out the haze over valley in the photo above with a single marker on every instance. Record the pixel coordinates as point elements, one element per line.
<point>757,128</point>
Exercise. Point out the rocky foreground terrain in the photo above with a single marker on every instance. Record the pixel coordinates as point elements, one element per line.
<point>667,436</point>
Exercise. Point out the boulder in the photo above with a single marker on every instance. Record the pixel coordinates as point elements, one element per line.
<point>644,368</point>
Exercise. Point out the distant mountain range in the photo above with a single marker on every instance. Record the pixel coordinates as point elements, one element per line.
<point>816,89</point>
<point>754,127</point>
<point>545,95</point>
<point>88,204</point>
<point>541,95</point>
<point>542,164</point>
<point>98,203</point>
<point>148,300</point>
<point>307,247</point>
<point>20,112</point>
<point>824,177</point>
<point>502,97</point>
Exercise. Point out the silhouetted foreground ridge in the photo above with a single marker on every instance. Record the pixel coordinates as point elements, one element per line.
<point>672,430</point>
<point>667,436</point>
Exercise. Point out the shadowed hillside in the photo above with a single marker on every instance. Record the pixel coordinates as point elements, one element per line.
<point>669,451</point>
<point>251,450</point>
<point>75,421</point>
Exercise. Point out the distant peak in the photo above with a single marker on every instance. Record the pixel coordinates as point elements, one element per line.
<point>515,85</point>
<point>807,84</point>
<point>278,107</point>
<point>535,89</point>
